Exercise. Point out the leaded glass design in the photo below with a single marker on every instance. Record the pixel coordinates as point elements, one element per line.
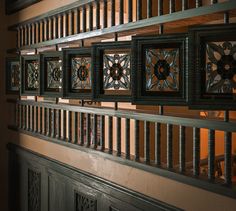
<point>81,73</point>
<point>15,75</point>
<point>162,69</point>
<point>116,70</point>
<point>32,74</point>
<point>220,67</point>
<point>54,73</point>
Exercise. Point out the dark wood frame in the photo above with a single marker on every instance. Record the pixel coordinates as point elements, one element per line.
<point>67,90</point>
<point>16,5</point>
<point>198,36</point>
<point>9,89</point>
<point>23,89</point>
<point>43,81</point>
<point>139,95</point>
<point>97,63</point>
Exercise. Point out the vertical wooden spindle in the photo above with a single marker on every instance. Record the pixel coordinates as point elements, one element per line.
<point>26,35</point>
<point>35,33</point>
<point>118,136</point>
<point>97,15</point>
<point>121,12</point>
<point>70,126</point>
<point>84,18</point>
<point>91,17</point>
<point>66,24</point>
<point>136,139</point>
<point>198,3</point>
<point>81,125</point>
<point>48,29</point>
<point>184,5</point>
<point>147,142</point>
<point>127,138</point>
<point>51,28</point>
<point>49,121</point>
<point>160,7</point>
<point>29,117</point>
<point>139,9</point>
<point>211,154</point>
<point>61,25</point>
<point>54,120</point>
<point>88,126</point>
<point>45,120</point>
<point>102,132</point>
<point>32,119</point>
<point>196,151</point>
<point>56,28</point>
<point>38,32</point>
<point>45,29</point>
<point>113,12</point>
<point>29,34</point>
<point>172,6</point>
<point>40,120</point>
<point>22,35</point>
<point>64,125</point>
<point>149,8</point>
<point>182,130</point>
<point>78,21</point>
<point>36,119</point>
<point>58,136</point>
<point>169,146</point>
<point>95,131</point>
<point>25,117</point>
<point>157,143</point>
<point>130,11</point>
<point>75,127</point>
<point>72,23</point>
<point>20,116</point>
<point>228,158</point>
<point>110,134</point>
<point>105,14</point>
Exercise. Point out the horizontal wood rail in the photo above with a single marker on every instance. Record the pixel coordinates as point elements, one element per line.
<point>88,19</point>
<point>158,141</point>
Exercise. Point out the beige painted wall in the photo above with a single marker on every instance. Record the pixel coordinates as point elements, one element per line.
<point>178,194</point>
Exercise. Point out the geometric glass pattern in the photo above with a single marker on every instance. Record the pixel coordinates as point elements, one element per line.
<point>54,73</point>
<point>162,69</point>
<point>84,203</point>
<point>32,74</point>
<point>34,190</point>
<point>14,75</point>
<point>116,71</point>
<point>220,67</point>
<point>81,73</point>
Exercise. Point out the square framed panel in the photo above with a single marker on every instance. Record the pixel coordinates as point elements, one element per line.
<point>159,69</point>
<point>51,74</point>
<point>77,72</point>
<point>30,75</point>
<point>212,73</point>
<point>111,65</point>
<point>12,75</point>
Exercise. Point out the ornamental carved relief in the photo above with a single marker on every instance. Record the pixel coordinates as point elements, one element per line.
<point>54,74</point>
<point>32,74</point>
<point>84,203</point>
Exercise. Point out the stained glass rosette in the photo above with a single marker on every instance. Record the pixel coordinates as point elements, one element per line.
<point>162,70</point>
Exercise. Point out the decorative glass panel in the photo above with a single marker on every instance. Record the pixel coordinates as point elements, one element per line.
<point>221,67</point>
<point>116,70</point>
<point>14,75</point>
<point>212,75</point>
<point>112,71</point>
<point>81,73</point>
<point>162,69</point>
<point>54,73</point>
<point>32,74</point>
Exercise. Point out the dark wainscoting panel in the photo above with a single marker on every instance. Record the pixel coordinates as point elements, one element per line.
<point>38,183</point>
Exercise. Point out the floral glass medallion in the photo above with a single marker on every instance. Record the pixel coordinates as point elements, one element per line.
<point>162,69</point>
<point>220,67</point>
<point>116,71</point>
<point>81,73</point>
<point>54,73</point>
<point>32,74</point>
<point>14,75</point>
